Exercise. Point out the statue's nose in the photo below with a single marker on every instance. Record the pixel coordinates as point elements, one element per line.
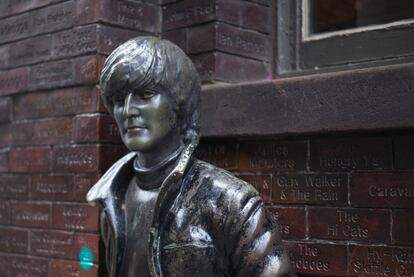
<point>129,108</point>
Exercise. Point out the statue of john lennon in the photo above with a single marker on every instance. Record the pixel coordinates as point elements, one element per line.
<point>165,213</point>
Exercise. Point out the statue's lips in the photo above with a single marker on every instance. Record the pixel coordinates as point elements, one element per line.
<point>135,128</point>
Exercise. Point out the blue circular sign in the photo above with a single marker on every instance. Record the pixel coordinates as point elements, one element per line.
<point>86,258</point>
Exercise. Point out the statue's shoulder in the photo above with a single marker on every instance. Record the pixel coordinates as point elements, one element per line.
<point>102,188</point>
<point>222,181</point>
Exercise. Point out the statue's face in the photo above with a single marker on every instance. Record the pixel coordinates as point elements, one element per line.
<point>146,120</point>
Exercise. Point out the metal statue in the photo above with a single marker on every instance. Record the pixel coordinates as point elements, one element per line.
<point>163,212</point>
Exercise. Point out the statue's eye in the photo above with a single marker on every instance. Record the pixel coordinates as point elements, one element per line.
<point>117,98</point>
<point>146,94</point>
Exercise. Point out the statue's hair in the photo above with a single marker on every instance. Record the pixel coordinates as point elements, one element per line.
<point>150,63</point>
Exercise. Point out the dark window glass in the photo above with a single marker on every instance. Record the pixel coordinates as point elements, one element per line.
<point>330,15</point>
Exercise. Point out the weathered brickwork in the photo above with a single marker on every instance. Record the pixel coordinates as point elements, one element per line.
<point>229,41</point>
<point>56,138</point>
<point>344,204</point>
<point>336,199</point>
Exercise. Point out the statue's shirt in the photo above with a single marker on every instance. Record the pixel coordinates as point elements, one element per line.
<point>140,205</point>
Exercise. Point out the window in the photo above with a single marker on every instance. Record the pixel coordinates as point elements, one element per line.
<point>315,35</point>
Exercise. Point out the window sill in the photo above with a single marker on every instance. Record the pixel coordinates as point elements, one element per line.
<point>380,98</point>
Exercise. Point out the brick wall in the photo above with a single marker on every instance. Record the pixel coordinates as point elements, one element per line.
<point>344,203</point>
<point>55,136</point>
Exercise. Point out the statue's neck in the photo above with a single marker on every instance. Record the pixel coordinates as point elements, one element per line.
<point>152,177</point>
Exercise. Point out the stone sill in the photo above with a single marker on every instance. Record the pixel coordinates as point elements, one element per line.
<point>380,98</point>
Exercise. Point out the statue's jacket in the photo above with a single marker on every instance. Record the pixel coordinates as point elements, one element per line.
<point>206,223</point>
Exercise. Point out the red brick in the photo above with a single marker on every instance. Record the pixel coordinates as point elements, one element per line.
<point>244,14</point>
<point>14,240</point>
<point>178,36</point>
<point>14,81</point>
<point>349,224</point>
<point>380,261</point>
<point>46,132</point>
<point>110,38</point>
<point>14,187</point>
<point>392,190</point>
<point>82,185</point>
<point>320,189</point>
<point>28,266</point>
<point>87,240</point>
<point>49,19</point>
<point>403,227</point>
<point>77,100</point>
<point>5,109</point>
<point>88,69</point>
<point>4,260</point>
<point>292,222</point>
<point>74,42</point>
<point>350,154</point>
<point>80,217</point>
<point>30,51</point>
<point>262,183</point>
<point>4,212</point>
<point>188,12</point>
<point>4,160</point>
<point>53,74</point>
<point>404,152</point>
<point>205,65</point>
<point>109,154</point>
<point>222,154</point>
<point>5,54</point>
<point>97,128</point>
<point>229,68</point>
<point>77,158</point>
<point>52,244</point>
<point>30,214</point>
<point>29,159</point>
<point>52,187</point>
<point>133,15</point>
<point>18,6</point>
<point>6,138</point>
<point>60,268</point>
<point>318,259</point>
<point>59,102</point>
<point>227,38</point>
<point>272,156</point>
<point>4,11</point>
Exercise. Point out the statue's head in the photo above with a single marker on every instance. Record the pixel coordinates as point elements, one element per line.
<point>152,89</point>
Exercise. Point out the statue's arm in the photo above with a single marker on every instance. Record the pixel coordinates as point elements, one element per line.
<point>258,251</point>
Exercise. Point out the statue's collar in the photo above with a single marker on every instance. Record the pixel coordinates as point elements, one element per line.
<point>103,188</point>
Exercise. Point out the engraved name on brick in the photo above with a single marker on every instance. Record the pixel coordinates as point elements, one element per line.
<point>13,81</point>
<point>323,259</point>
<point>352,154</point>
<point>26,214</point>
<point>188,13</point>
<point>13,240</point>
<point>21,266</point>
<point>130,14</point>
<point>52,74</point>
<point>52,243</point>
<point>349,224</point>
<point>272,156</point>
<point>75,42</point>
<point>75,217</point>
<point>219,154</point>
<point>381,261</point>
<point>310,188</point>
<point>383,190</point>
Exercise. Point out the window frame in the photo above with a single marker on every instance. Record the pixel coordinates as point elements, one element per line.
<point>299,52</point>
